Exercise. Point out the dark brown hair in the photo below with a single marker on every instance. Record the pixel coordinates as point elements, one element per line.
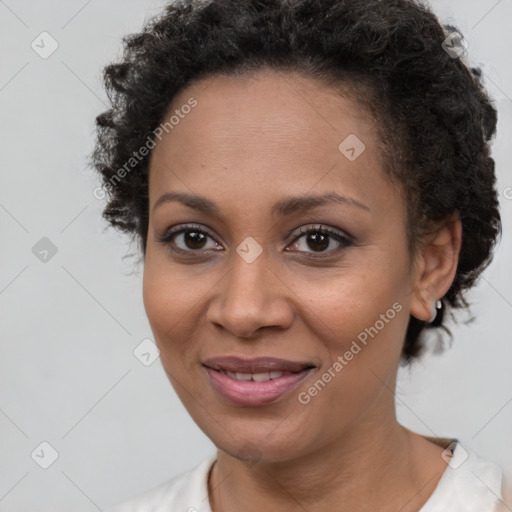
<point>435,119</point>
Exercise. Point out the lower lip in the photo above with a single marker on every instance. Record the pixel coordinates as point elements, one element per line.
<point>252,394</point>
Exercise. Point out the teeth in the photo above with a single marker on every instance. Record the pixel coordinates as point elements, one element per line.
<point>242,376</point>
<point>256,377</point>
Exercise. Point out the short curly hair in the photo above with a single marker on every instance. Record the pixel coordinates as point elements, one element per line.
<point>433,115</point>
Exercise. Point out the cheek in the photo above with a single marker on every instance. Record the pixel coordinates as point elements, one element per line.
<point>358,375</point>
<point>344,303</point>
<point>169,304</point>
<point>173,298</point>
<point>365,332</point>
<point>168,301</point>
<point>360,315</point>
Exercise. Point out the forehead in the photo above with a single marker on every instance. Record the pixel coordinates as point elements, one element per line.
<point>269,104</point>
<point>270,132</point>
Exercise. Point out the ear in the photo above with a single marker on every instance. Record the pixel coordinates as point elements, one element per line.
<point>436,266</point>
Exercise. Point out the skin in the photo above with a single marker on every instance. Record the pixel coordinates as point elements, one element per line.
<point>250,142</point>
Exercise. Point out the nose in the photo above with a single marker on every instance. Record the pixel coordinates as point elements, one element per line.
<point>249,298</point>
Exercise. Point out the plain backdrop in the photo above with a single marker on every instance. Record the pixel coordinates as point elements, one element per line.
<point>69,325</point>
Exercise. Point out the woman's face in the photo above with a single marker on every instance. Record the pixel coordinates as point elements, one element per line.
<point>257,163</point>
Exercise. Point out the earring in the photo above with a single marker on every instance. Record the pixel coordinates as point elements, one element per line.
<point>436,306</point>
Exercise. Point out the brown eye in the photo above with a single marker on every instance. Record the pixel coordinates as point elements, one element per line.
<point>194,239</point>
<point>319,239</point>
<point>188,239</point>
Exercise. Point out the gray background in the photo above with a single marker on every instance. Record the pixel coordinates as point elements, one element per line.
<point>69,325</point>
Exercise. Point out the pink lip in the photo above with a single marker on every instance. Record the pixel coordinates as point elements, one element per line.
<point>250,393</point>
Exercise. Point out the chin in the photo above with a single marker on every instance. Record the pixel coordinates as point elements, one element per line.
<point>258,445</point>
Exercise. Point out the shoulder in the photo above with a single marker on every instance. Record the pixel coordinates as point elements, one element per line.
<point>187,491</point>
<point>469,483</point>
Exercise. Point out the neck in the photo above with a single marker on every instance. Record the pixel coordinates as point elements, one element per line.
<point>376,466</point>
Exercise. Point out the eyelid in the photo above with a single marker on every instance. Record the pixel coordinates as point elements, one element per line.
<point>324,229</point>
<point>341,237</point>
<point>181,228</point>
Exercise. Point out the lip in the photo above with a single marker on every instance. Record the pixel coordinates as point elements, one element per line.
<point>252,393</point>
<point>255,365</point>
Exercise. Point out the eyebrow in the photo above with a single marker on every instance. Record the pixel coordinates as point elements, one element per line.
<point>294,204</point>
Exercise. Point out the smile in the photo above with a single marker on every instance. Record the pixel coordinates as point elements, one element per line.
<point>255,377</point>
<point>255,382</point>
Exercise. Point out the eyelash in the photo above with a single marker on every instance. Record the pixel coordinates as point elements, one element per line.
<point>345,241</point>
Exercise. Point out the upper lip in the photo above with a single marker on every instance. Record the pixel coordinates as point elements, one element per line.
<point>256,365</point>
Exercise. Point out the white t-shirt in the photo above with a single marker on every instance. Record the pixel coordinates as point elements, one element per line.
<point>468,484</point>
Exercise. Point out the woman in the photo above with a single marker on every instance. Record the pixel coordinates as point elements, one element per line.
<point>312,188</point>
